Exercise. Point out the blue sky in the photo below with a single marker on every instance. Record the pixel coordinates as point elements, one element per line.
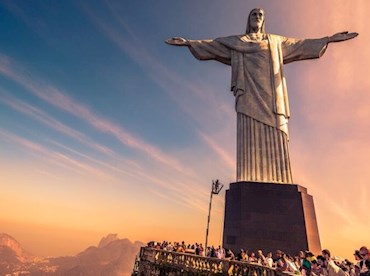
<point>103,125</point>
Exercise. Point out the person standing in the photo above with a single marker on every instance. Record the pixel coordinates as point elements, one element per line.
<point>328,265</point>
<point>364,263</point>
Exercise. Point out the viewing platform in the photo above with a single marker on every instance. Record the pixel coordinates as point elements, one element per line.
<point>161,262</point>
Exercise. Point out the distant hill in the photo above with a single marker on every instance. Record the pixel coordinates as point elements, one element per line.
<point>112,257</point>
<point>12,255</point>
<point>9,244</point>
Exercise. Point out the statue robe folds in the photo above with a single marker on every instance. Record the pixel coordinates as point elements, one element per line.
<point>261,99</point>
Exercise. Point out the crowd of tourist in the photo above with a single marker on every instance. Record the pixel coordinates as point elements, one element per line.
<point>305,263</point>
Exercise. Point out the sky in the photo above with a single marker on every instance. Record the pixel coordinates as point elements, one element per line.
<point>106,129</point>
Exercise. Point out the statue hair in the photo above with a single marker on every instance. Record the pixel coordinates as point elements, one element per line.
<point>248,29</point>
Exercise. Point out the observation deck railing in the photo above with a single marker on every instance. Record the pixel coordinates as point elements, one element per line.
<point>160,262</point>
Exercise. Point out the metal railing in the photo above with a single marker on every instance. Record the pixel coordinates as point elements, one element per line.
<point>154,259</point>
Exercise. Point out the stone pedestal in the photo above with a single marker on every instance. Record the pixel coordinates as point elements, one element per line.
<point>270,216</point>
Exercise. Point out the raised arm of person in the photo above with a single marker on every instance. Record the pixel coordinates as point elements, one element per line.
<point>260,254</point>
<point>204,49</point>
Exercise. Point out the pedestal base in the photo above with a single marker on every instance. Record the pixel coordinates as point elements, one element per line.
<point>270,216</point>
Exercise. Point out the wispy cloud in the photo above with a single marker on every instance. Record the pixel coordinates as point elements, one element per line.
<point>200,110</point>
<point>49,121</point>
<point>179,198</point>
<point>224,155</point>
<point>54,156</point>
<point>180,190</point>
<point>132,168</point>
<point>107,165</point>
<point>172,176</point>
<point>198,101</point>
<point>61,100</point>
<point>174,187</point>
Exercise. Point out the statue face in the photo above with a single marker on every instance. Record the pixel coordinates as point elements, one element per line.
<point>256,19</point>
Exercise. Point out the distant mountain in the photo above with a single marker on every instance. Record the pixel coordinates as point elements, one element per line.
<point>112,257</point>
<point>12,255</point>
<point>108,239</point>
<point>9,244</point>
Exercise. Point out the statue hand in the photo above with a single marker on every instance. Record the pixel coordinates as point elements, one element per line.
<point>342,36</point>
<point>177,41</point>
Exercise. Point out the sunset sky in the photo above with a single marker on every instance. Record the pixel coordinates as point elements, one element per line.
<point>106,129</point>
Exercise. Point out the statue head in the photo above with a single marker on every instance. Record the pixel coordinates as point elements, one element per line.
<point>256,21</point>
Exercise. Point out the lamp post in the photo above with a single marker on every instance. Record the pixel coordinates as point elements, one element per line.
<point>216,188</point>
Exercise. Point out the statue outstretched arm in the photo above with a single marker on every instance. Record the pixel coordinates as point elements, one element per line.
<point>301,49</point>
<point>204,49</point>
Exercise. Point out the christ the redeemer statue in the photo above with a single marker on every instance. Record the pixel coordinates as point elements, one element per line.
<point>259,87</point>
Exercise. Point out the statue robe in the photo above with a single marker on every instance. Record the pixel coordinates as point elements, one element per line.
<point>261,99</point>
